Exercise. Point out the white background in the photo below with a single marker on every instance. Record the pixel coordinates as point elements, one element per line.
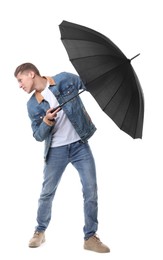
<point>129,171</point>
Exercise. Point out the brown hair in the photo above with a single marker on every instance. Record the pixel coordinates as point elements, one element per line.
<point>26,67</point>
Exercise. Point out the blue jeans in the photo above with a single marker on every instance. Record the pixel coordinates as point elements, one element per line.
<point>80,155</point>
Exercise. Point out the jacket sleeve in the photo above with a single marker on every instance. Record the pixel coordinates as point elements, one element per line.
<point>41,127</point>
<point>76,80</point>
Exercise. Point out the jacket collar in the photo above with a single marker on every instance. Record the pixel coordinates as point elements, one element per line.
<point>38,95</point>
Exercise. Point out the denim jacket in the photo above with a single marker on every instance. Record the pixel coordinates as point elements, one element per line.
<point>64,86</point>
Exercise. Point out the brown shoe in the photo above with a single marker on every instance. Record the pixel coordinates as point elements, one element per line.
<point>37,239</point>
<point>94,244</point>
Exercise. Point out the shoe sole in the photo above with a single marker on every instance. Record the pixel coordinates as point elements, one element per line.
<point>33,246</point>
<point>97,251</point>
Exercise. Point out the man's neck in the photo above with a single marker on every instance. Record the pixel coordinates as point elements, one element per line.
<point>40,84</point>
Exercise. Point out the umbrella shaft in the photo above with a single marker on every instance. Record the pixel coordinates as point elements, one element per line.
<point>61,105</point>
<point>134,57</point>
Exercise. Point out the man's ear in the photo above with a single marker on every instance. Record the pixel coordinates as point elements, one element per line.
<point>31,74</point>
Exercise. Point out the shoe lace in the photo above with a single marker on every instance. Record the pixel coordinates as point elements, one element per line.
<point>36,234</point>
<point>97,239</point>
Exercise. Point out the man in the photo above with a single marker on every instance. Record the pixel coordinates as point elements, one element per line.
<point>66,131</point>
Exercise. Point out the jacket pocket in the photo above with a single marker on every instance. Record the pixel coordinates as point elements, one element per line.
<point>69,90</point>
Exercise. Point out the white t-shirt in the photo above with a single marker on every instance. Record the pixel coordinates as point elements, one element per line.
<point>63,132</point>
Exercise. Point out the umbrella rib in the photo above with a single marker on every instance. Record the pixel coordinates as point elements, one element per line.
<point>108,71</point>
<point>128,110</point>
<point>125,118</point>
<point>114,93</point>
<point>136,116</point>
<point>126,114</point>
<point>97,55</point>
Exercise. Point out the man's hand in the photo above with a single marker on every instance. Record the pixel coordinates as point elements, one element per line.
<point>51,115</point>
<point>49,118</point>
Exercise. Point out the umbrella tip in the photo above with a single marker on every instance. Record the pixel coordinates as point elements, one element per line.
<point>134,57</point>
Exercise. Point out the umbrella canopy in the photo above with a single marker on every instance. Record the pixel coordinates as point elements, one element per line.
<point>107,74</point>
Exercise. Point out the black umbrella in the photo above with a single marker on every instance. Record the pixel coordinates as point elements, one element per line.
<point>107,74</point>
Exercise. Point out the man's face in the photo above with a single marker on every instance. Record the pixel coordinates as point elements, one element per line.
<point>26,81</point>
